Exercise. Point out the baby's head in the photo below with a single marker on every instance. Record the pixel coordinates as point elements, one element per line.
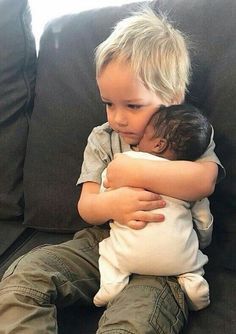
<point>155,50</point>
<point>177,132</point>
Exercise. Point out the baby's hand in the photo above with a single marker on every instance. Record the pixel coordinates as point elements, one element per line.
<point>133,207</point>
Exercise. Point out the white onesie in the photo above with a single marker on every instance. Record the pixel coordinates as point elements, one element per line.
<point>170,248</point>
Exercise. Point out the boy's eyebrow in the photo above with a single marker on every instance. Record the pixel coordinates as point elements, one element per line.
<point>133,100</point>
<point>125,101</point>
<point>103,98</point>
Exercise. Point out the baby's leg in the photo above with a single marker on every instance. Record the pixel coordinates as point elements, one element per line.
<point>196,289</point>
<point>113,281</point>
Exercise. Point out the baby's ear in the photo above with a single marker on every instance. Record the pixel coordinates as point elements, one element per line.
<point>160,145</point>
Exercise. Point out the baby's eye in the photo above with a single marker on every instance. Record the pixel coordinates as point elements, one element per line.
<point>134,106</point>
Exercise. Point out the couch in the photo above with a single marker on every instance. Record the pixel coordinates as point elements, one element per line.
<point>48,105</point>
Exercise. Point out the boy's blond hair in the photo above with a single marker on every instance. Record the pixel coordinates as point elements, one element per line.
<point>156,52</point>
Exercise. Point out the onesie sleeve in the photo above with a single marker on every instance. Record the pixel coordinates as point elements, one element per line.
<point>203,222</point>
<point>210,156</point>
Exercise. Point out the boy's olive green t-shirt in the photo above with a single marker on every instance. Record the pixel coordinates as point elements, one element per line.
<point>104,143</point>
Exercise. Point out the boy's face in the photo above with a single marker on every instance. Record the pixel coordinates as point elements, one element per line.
<point>129,104</point>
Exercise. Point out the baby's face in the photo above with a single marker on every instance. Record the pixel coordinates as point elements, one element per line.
<point>148,141</point>
<point>151,143</point>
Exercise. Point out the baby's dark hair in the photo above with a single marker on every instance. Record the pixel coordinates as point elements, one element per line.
<point>186,129</point>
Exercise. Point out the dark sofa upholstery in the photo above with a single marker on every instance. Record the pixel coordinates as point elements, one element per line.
<point>41,148</point>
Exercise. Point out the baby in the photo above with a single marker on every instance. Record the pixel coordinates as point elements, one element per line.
<point>178,132</point>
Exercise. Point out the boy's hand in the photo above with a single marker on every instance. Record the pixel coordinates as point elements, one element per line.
<point>120,171</point>
<point>132,207</point>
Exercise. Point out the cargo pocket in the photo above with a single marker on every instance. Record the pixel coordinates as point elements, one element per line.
<point>170,311</point>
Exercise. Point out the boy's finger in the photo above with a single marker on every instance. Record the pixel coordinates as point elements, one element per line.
<point>136,224</point>
<point>147,216</point>
<point>152,205</point>
<point>105,183</point>
<point>149,196</point>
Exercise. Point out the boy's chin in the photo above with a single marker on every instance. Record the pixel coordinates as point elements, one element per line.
<point>130,141</point>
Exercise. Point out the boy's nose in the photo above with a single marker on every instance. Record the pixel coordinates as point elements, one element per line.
<point>120,118</point>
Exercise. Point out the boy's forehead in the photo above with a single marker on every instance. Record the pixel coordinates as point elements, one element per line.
<point>119,79</point>
<point>119,68</point>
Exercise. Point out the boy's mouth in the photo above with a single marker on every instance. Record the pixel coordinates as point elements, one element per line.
<point>126,134</point>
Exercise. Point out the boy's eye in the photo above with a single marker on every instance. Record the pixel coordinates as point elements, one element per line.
<point>107,104</point>
<point>134,106</point>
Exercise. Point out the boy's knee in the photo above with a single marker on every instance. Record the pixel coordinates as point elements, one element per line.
<point>28,263</point>
<point>147,305</point>
<point>31,269</point>
<point>30,276</point>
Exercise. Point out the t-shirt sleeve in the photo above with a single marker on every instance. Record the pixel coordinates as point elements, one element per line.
<point>210,156</point>
<point>97,155</point>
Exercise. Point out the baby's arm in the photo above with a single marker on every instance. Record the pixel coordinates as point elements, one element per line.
<point>203,222</point>
<point>129,206</point>
<point>181,179</point>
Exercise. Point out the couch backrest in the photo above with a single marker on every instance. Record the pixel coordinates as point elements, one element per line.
<point>67,104</point>
<point>17,79</point>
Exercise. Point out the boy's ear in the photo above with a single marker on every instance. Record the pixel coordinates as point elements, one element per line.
<point>160,145</point>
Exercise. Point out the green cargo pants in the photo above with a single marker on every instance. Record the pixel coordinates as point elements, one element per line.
<point>60,275</point>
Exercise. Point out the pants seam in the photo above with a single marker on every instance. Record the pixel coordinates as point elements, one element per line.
<point>157,328</point>
<point>176,322</point>
<point>117,331</point>
<point>61,263</point>
<point>27,291</point>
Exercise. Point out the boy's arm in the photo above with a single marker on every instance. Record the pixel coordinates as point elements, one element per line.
<point>180,179</point>
<point>128,206</point>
